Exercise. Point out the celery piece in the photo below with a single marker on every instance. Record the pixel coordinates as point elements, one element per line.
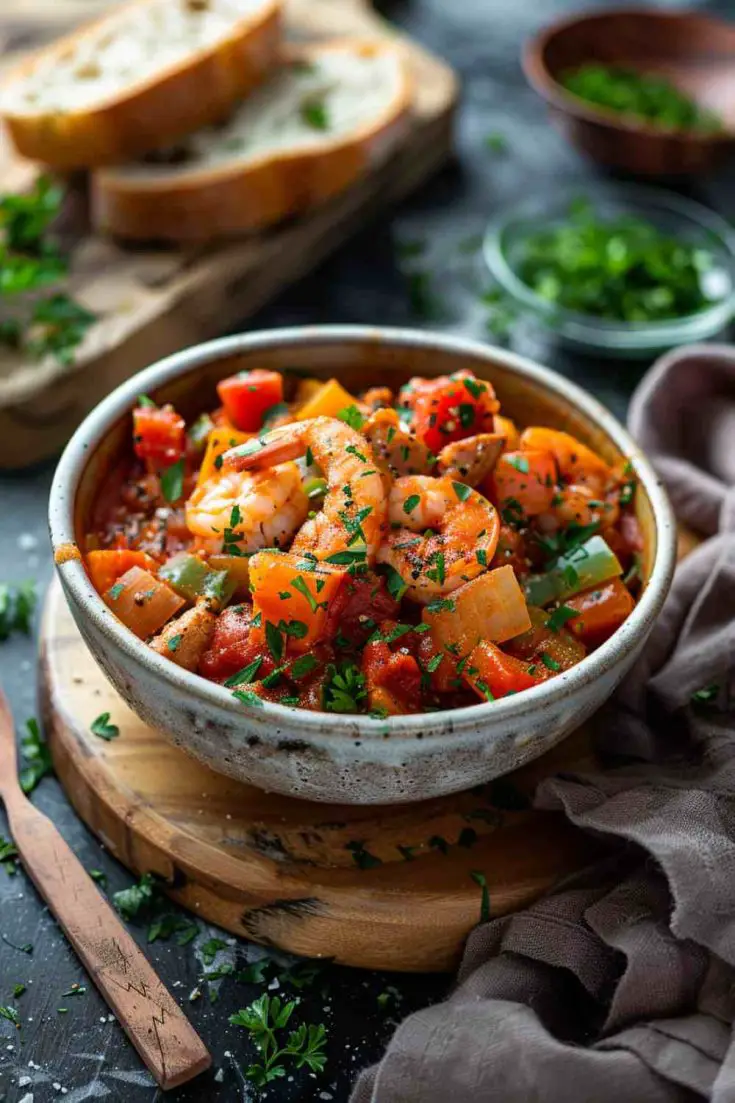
<point>589,564</point>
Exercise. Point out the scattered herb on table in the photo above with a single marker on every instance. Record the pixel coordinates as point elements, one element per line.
<point>102,727</point>
<point>25,948</point>
<point>480,879</point>
<point>706,696</point>
<point>138,900</point>
<point>304,1047</point>
<point>75,990</point>
<point>18,991</point>
<point>163,926</point>
<point>17,604</point>
<point>99,876</point>
<point>620,268</point>
<point>497,143</point>
<point>8,856</point>
<point>10,1014</point>
<point>36,758</point>
<point>211,948</point>
<point>644,97</point>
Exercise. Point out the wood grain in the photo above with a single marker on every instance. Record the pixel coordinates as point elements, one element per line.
<point>285,872</point>
<point>152,302</point>
<point>162,1035</point>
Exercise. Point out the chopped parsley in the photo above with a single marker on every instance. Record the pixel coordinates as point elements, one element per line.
<point>314,113</point>
<point>137,901</point>
<point>549,663</point>
<point>560,616</point>
<point>172,482</point>
<point>352,417</point>
<point>246,675</point>
<point>345,688</point>
<point>102,727</point>
<point>17,604</point>
<point>480,879</point>
<point>36,758</point>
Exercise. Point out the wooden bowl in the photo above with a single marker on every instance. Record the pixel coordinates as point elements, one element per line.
<point>327,756</point>
<point>695,52</point>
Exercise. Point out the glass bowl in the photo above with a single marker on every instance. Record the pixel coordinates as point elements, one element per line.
<point>681,218</point>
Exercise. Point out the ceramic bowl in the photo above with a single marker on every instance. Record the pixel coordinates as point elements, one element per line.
<point>324,756</point>
<point>694,51</point>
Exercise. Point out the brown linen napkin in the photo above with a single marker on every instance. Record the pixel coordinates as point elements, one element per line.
<point>620,987</point>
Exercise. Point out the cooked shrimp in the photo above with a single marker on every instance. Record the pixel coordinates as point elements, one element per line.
<point>353,514</point>
<point>375,398</point>
<point>472,459</point>
<point>578,505</point>
<point>260,509</point>
<point>461,547</point>
<point>576,462</point>
<point>397,452</point>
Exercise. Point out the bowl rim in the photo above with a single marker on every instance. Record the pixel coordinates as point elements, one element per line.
<point>506,710</point>
<point>624,335</point>
<point>543,81</point>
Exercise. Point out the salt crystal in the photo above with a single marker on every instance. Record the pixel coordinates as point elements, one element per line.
<point>219,1076</point>
<point>27,1098</point>
<point>24,1081</point>
<point>56,1086</point>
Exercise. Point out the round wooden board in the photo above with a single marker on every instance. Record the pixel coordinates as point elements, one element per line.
<point>382,888</point>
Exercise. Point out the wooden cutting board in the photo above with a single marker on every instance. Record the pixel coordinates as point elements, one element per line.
<point>380,888</point>
<point>153,302</point>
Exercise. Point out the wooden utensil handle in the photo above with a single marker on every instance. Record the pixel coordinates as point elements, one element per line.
<point>162,1035</point>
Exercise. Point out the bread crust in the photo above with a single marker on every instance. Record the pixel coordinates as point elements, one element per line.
<point>210,203</point>
<point>198,91</point>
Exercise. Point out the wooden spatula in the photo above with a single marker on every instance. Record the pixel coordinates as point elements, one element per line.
<point>156,1026</point>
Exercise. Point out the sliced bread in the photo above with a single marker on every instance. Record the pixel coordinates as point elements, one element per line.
<point>321,120</point>
<point>137,79</point>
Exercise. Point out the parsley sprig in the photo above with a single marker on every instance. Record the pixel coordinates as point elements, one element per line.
<point>29,261</point>
<point>17,604</point>
<point>345,688</point>
<point>263,1020</point>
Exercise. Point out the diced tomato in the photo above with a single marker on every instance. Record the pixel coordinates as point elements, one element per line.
<point>247,396</point>
<point>232,646</point>
<point>601,612</point>
<point>489,671</point>
<point>527,478</point>
<point>393,678</point>
<point>561,648</point>
<point>159,435</point>
<point>360,603</point>
<point>450,408</point>
<point>107,565</point>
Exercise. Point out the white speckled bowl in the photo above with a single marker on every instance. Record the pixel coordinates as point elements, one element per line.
<point>323,756</point>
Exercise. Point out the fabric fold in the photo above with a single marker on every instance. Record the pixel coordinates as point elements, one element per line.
<point>621,984</point>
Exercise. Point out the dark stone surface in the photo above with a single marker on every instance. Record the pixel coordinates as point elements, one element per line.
<point>77,1050</point>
